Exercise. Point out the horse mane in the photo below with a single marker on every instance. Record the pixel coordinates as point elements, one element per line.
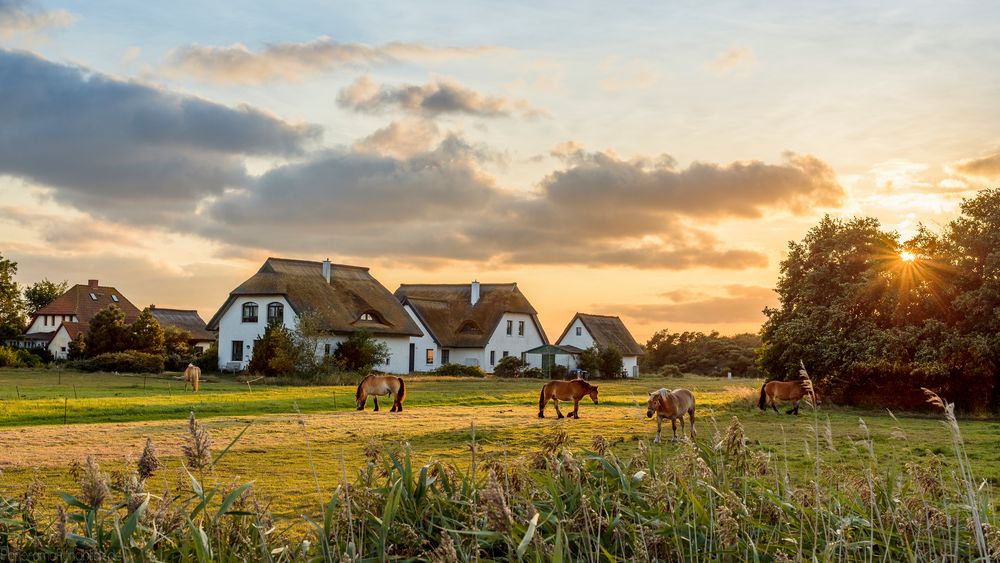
<point>663,393</point>
<point>357,393</point>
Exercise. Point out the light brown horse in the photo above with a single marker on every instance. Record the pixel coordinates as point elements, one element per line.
<point>673,405</point>
<point>792,391</point>
<point>378,385</point>
<point>193,374</point>
<point>574,390</point>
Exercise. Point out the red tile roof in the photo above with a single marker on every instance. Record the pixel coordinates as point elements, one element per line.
<point>85,301</point>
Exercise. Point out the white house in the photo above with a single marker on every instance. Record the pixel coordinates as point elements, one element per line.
<point>343,299</point>
<point>600,331</point>
<point>471,324</point>
<point>74,309</point>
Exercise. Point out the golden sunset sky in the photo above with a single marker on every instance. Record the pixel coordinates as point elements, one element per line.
<point>645,159</point>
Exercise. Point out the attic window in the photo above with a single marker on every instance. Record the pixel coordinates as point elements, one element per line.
<point>94,297</point>
<point>371,316</point>
<point>114,298</point>
<point>470,327</point>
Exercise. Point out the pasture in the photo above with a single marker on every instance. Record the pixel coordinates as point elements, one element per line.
<point>49,422</point>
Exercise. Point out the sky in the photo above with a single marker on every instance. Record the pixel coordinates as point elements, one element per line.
<point>643,159</point>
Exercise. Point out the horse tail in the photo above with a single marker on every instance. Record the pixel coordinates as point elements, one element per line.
<point>762,403</point>
<point>402,391</point>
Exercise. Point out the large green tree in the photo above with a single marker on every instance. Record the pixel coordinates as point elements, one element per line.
<point>145,334</point>
<point>11,304</point>
<point>107,332</point>
<point>41,293</point>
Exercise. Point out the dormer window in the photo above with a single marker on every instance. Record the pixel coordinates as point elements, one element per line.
<point>250,312</point>
<point>366,317</point>
<point>371,316</point>
<point>275,312</point>
<point>469,327</point>
<point>93,297</point>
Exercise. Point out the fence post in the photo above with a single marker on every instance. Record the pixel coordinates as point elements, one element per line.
<point>65,409</point>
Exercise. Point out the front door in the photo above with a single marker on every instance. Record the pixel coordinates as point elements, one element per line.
<point>548,360</point>
<point>413,354</point>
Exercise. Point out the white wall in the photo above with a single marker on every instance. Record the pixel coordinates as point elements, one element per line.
<point>59,346</point>
<point>513,344</point>
<point>48,323</point>
<point>584,341</point>
<point>631,365</point>
<point>421,345</point>
<point>232,327</point>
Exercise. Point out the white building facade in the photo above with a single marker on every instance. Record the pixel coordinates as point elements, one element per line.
<point>600,331</point>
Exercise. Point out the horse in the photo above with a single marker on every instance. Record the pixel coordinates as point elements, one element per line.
<point>786,391</point>
<point>193,374</point>
<point>376,385</point>
<point>673,405</point>
<point>574,390</point>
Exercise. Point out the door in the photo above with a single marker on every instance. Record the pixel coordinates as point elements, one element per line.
<point>548,360</point>
<point>413,355</point>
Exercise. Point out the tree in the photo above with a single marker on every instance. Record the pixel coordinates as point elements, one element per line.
<point>145,334</point>
<point>361,352</point>
<point>176,341</point>
<point>41,293</point>
<point>77,349</point>
<point>107,332</point>
<point>611,362</point>
<point>274,353</point>
<point>11,305</point>
<point>589,361</point>
<point>510,366</point>
<point>705,354</point>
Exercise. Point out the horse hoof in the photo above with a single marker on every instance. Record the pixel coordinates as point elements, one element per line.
<point>540,415</point>
<point>560,416</point>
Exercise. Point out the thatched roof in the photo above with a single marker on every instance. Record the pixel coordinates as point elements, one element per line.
<point>446,310</point>
<point>607,331</point>
<point>85,301</point>
<point>338,305</point>
<point>183,319</point>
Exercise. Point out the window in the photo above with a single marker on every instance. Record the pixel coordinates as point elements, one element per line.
<point>249,312</point>
<point>520,328</point>
<point>237,351</point>
<point>366,317</point>
<point>114,298</point>
<point>275,312</point>
<point>493,357</point>
<point>445,356</point>
<point>524,357</point>
<point>506,353</point>
<point>429,356</point>
<point>326,350</point>
<point>579,331</point>
<point>510,328</point>
<point>93,297</point>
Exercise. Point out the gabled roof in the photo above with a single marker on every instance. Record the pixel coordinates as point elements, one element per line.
<point>446,310</point>
<point>72,329</point>
<point>338,305</point>
<point>184,319</point>
<point>85,301</point>
<point>607,331</point>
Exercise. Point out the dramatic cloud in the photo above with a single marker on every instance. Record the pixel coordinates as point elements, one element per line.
<point>294,61</point>
<point>984,167</point>
<point>24,16</point>
<point>739,304</point>
<point>599,211</point>
<point>124,149</point>
<point>736,59</point>
<point>438,97</point>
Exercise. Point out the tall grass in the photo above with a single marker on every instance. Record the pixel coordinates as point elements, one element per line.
<point>718,499</point>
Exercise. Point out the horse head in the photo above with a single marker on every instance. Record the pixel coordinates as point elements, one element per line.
<point>593,393</point>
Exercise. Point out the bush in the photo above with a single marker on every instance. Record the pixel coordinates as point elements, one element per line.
<point>511,366</point>
<point>459,370</point>
<point>671,370</point>
<point>208,361</point>
<point>121,362</point>
<point>559,372</point>
<point>611,363</point>
<point>533,373</point>
<point>29,359</point>
<point>361,352</point>
<point>179,362</point>
<point>9,358</point>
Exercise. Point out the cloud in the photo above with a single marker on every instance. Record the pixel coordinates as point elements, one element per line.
<point>983,167</point>
<point>401,139</point>
<point>599,211</point>
<point>237,64</point>
<point>64,233</point>
<point>738,304</point>
<point>126,150</point>
<point>23,16</point>
<point>737,59</point>
<point>438,97</point>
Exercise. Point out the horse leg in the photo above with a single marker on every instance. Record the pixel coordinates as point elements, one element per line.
<point>691,414</point>
<point>794,409</point>
<point>541,405</point>
<point>394,403</point>
<point>681,418</point>
<point>774,406</point>
<point>659,425</point>
<point>576,409</point>
<point>556,403</point>
<point>673,422</point>
<point>375,399</point>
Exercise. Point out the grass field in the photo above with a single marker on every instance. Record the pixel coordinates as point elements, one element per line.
<point>110,416</point>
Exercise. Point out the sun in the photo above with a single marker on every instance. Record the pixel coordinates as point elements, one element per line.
<point>907,256</point>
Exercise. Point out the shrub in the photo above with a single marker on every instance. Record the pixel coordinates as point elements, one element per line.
<point>274,353</point>
<point>29,359</point>
<point>589,360</point>
<point>460,370</point>
<point>361,352</point>
<point>511,366</point>
<point>178,362</point>
<point>533,373</point>
<point>122,362</point>
<point>611,363</point>
<point>559,372</point>
<point>671,370</point>
<point>208,361</point>
<point>9,358</point>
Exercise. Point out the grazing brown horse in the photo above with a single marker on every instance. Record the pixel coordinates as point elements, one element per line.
<point>786,391</point>
<point>574,390</point>
<point>673,405</point>
<point>376,385</point>
<point>192,374</point>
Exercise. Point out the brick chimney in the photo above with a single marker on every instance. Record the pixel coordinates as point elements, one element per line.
<point>92,284</point>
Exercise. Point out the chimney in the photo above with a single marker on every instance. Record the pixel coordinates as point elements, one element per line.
<point>475,292</point>
<point>326,270</point>
<point>92,284</point>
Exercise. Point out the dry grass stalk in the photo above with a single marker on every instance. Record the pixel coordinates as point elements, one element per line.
<point>93,484</point>
<point>148,462</point>
<point>198,450</point>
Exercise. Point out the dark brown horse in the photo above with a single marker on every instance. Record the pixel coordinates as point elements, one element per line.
<point>792,391</point>
<point>376,385</point>
<point>574,390</point>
